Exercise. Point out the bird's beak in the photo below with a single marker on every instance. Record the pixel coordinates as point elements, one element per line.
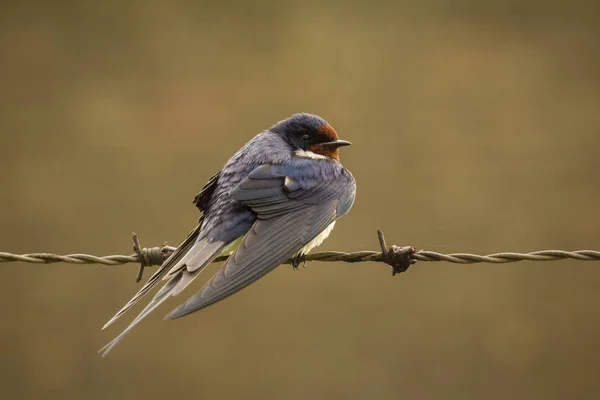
<point>337,143</point>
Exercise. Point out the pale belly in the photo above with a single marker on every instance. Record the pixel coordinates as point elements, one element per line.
<point>317,240</point>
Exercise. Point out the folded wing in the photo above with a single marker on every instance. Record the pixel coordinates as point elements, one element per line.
<point>294,203</point>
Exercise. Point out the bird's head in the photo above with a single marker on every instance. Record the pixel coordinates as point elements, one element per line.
<point>310,135</point>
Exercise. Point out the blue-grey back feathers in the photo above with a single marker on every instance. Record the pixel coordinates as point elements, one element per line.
<point>275,201</point>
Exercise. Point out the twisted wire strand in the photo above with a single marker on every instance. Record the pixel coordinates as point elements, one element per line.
<point>156,255</point>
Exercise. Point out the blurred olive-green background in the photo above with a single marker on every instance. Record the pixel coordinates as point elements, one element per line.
<point>476,128</point>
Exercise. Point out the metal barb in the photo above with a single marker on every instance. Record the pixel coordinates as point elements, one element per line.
<point>399,258</point>
<point>141,256</point>
<point>151,256</point>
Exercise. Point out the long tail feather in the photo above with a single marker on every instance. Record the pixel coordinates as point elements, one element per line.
<point>179,253</point>
<point>202,251</point>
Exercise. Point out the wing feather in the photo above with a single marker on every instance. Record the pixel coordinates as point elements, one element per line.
<point>265,247</point>
<point>289,216</point>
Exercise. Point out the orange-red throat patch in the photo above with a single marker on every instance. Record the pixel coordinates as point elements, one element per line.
<point>327,151</point>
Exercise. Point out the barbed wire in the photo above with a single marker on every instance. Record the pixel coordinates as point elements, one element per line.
<point>398,257</point>
<point>327,256</point>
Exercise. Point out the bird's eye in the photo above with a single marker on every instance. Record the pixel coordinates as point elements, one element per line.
<point>306,137</point>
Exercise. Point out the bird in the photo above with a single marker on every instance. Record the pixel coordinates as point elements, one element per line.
<point>276,198</point>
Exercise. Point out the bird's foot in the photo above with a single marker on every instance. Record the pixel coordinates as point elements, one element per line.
<point>298,260</point>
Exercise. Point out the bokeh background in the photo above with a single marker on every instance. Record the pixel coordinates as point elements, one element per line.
<point>476,128</point>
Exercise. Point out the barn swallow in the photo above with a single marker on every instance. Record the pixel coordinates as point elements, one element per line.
<point>278,197</point>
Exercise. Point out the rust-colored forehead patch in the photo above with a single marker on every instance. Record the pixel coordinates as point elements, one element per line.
<point>329,131</point>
